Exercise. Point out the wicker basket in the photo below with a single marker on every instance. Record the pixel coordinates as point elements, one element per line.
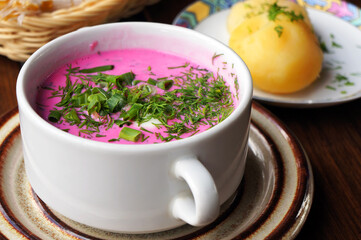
<point>18,42</point>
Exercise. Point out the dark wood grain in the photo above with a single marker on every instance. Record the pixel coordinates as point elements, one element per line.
<point>331,137</point>
<point>8,73</point>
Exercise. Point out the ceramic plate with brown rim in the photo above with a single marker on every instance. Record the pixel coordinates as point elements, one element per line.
<point>272,202</point>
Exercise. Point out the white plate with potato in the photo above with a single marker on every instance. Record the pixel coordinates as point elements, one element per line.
<point>339,78</point>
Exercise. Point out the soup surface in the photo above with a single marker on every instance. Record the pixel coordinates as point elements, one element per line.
<point>134,96</point>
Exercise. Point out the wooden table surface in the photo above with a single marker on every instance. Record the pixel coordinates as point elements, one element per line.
<point>331,137</point>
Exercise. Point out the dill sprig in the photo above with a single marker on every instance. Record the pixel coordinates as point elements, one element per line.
<point>275,10</point>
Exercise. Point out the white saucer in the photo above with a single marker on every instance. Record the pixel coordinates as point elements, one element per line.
<point>332,24</point>
<point>273,200</point>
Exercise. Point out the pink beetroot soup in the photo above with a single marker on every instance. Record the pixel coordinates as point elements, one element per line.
<point>134,96</point>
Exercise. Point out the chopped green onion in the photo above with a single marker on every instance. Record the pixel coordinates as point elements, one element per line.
<point>116,102</point>
<point>152,81</point>
<point>165,84</point>
<point>125,79</point>
<point>97,69</point>
<point>130,134</point>
<point>54,116</point>
<point>133,111</point>
<point>120,123</point>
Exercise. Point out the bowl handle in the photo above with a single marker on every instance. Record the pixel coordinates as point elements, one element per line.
<point>201,206</point>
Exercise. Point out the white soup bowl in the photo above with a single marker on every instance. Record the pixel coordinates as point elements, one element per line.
<point>135,188</point>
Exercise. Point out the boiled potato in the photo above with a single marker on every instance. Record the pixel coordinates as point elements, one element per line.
<point>283,56</point>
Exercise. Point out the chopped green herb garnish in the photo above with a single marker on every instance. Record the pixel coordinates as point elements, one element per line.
<point>99,135</point>
<point>183,66</point>
<point>97,69</point>
<point>165,84</point>
<point>279,30</point>
<point>152,81</point>
<point>336,45</point>
<point>130,134</point>
<point>341,80</point>
<point>348,83</point>
<point>132,112</point>
<point>356,74</point>
<point>276,10</point>
<point>333,43</point>
<point>54,116</point>
<point>87,131</point>
<point>121,123</point>
<point>72,117</point>
<point>113,140</point>
<point>324,47</point>
<point>215,56</point>
<point>330,87</point>
<point>144,138</point>
<point>340,77</point>
<point>146,130</point>
<point>135,82</point>
<point>90,101</point>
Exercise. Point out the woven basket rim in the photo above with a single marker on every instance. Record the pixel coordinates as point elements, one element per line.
<point>84,6</point>
<point>19,41</point>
